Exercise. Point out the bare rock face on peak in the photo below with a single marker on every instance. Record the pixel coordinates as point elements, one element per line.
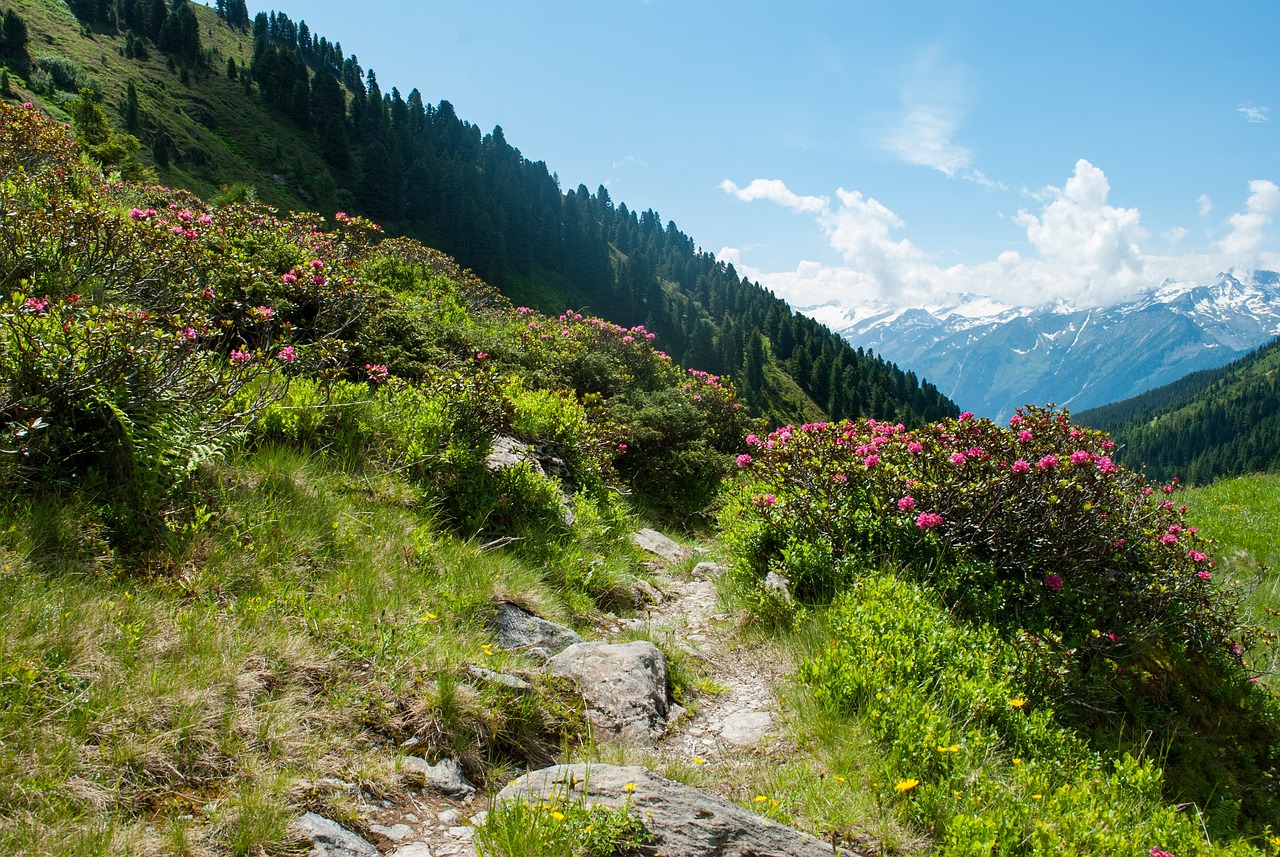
<point>683,821</point>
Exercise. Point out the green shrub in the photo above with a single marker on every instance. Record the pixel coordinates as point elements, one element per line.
<point>1097,579</point>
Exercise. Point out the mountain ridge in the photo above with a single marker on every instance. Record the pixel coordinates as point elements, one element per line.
<point>991,358</point>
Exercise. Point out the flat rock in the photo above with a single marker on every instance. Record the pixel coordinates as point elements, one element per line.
<point>656,543</point>
<point>490,677</point>
<point>413,849</point>
<point>520,630</point>
<point>396,832</point>
<point>746,727</point>
<point>624,686</point>
<point>330,839</point>
<point>683,821</point>
<point>445,777</point>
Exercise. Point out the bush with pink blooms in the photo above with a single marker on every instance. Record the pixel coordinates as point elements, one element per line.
<point>1096,576</point>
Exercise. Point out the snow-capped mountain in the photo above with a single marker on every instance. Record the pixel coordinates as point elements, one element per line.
<point>991,358</point>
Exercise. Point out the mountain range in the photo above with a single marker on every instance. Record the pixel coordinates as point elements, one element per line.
<point>991,358</point>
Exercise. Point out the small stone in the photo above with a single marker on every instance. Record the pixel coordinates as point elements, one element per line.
<point>449,816</point>
<point>409,816</point>
<point>413,849</point>
<point>656,543</point>
<point>445,777</point>
<point>746,727</point>
<point>330,839</point>
<point>479,819</point>
<point>409,742</point>
<point>396,832</point>
<point>463,833</point>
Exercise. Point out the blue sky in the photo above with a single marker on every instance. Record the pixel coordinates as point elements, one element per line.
<point>895,152</point>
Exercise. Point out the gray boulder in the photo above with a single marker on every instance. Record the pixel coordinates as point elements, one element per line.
<point>624,686</point>
<point>330,839</point>
<point>656,543</point>
<point>445,777</point>
<point>520,630</point>
<point>683,821</point>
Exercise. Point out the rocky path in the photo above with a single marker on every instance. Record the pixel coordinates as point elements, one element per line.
<point>733,709</point>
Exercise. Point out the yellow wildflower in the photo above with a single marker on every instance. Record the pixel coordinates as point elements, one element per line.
<point>906,785</point>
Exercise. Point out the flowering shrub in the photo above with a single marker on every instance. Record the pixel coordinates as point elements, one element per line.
<point>1094,576</point>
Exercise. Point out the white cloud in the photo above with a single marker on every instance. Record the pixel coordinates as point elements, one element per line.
<point>775,191</point>
<point>1205,203</point>
<point>1253,113</point>
<point>1248,227</point>
<point>923,137</point>
<point>1082,249</point>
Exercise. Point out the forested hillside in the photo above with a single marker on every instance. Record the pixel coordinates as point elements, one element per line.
<point>225,106</point>
<point>1209,424</point>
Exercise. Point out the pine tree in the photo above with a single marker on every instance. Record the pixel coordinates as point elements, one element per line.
<point>131,118</point>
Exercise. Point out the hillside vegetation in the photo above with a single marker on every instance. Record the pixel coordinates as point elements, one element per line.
<point>1209,424</point>
<point>271,107</point>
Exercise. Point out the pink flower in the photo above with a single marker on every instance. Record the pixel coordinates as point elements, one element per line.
<point>906,504</point>
<point>870,461</point>
<point>1021,466</point>
<point>1081,456</point>
<point>1053,582</point>
<point>240,356</point>
<point>1159,852</point>
<point>27,105</point>
<point>205,220</point>
<point>1106,465</point>
<point>841,478</point>
<point>744,460</point>
<point>136,213</point>
<point>189,333</point>
<point>1048,462</point>
<point>764,500</point>
<point>1024,436</point>
<point>966,416</point>
<point>377,372</point>
<point>1169,539</point>
<point>265,312</point>
<point>754,440</point>
<point>1015,420</point>
<point>317,264</point>
<point>287,354</point>
<point>206,293</point>
<point>628,338</point>
<point>915,447</point>
<point>957,458</point>
<point>928,520</point>
<point>288,278</point>
<point>318,280</point>
<point>481,355</point>
<point>1197,556</point>
<point>622,447</point>
<point>1202,574</point>
<point>36,305</point>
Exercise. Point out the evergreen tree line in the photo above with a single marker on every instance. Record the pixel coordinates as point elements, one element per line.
<point>1219,422</point>
<point>424,172</point>
<point>432,175</point>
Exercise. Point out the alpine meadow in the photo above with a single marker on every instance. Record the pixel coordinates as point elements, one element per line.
<point>365,492</point>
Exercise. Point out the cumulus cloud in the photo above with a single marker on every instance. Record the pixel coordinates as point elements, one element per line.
<point>1205,204</point>
<point>774,190</point>
<point>1253,113</point>
<point>1248,228</point>
<point>1082,249</point>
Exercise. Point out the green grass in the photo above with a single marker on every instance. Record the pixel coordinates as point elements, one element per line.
<point>318,621</point>
<point>1242,516</point>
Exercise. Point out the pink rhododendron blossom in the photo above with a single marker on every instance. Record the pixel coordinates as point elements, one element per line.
<point>906,504</point>
<point>1015,420</point>
<point>1197,556</point>
<point>1021,466</point>
<point>287,354</point>
<point>1048,462</point>
<point>1081,456</point>
<point>1024,436</point>
<point>966,416</point>
<point>288,278</point>
<point>1168,539</point>
<point>36,305</point>
<point>377,372</point>
<point>265,312</point>
<point>764,500</point>
<point>841,478</point>
<point>957,458</point>
<point>871,461</point>
<point>1053,582</point>
<point>240,356</point>
<point>1203,575</point>
<point>318,280</point>
<point>744,460</point>
<point>622,447</point>
<point>928,520</point>
<point>480,355</point>
<point>915,447</point>
<point>1106,465</point>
